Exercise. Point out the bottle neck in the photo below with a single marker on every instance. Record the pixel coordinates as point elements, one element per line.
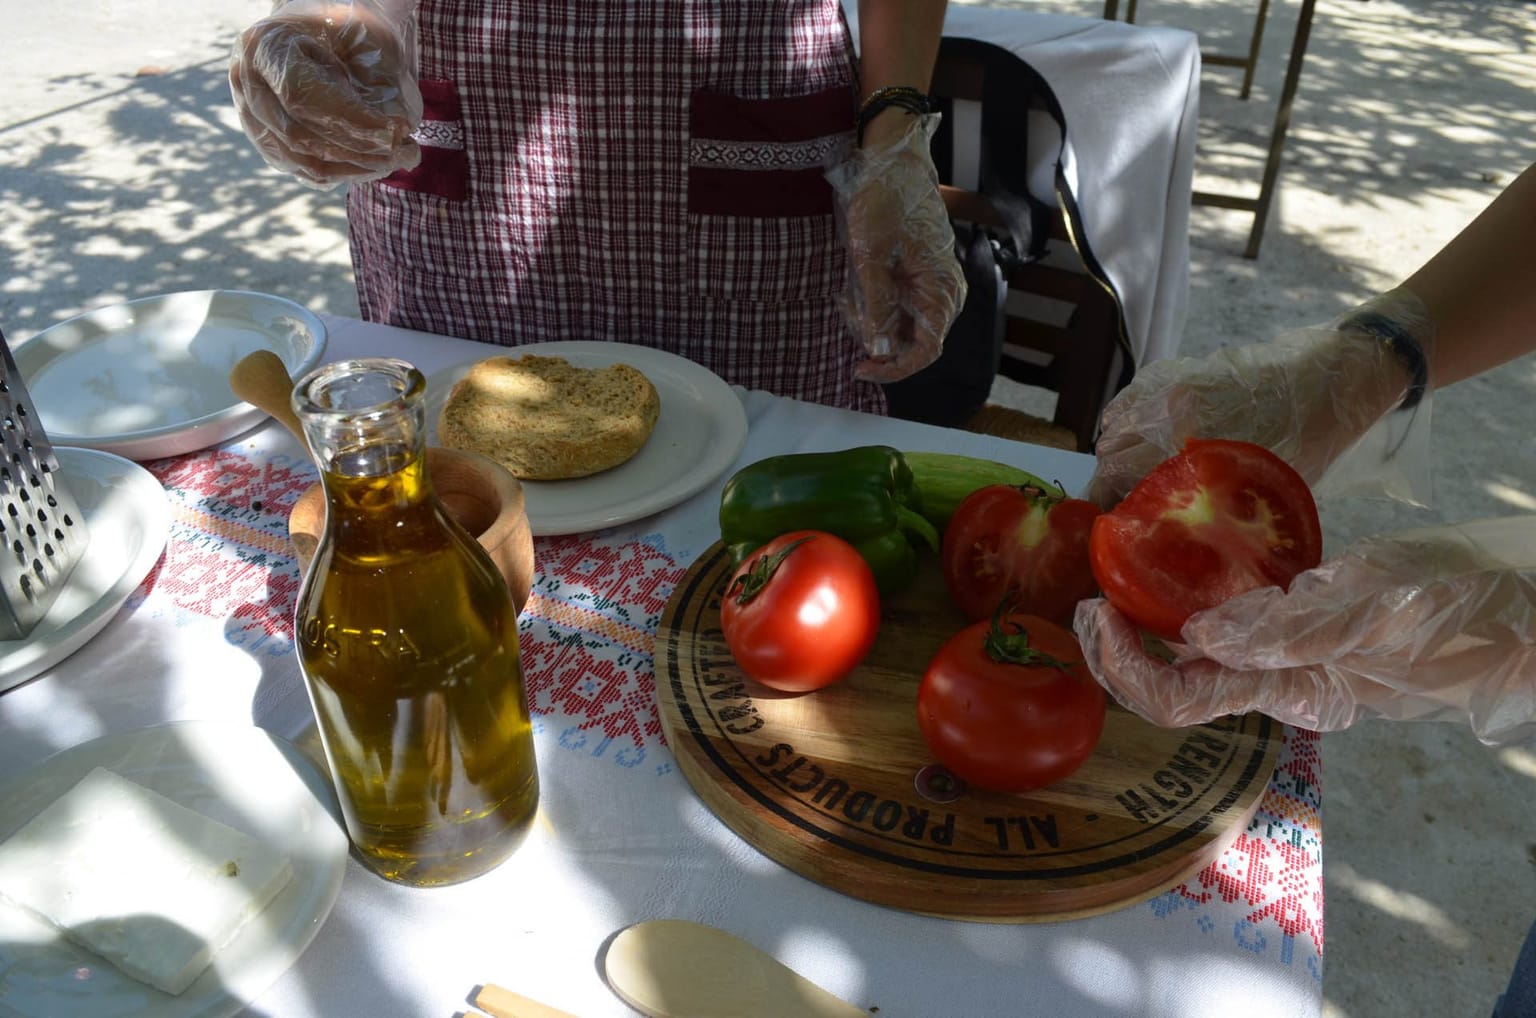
<point>363,418</point>
<point>364,422</point>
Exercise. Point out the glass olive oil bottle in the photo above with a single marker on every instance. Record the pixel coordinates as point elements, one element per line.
<point>407,637</point>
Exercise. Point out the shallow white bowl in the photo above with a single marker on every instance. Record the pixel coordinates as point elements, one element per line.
<point>150,378</point>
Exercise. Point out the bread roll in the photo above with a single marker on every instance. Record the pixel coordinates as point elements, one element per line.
<point>546,419</point>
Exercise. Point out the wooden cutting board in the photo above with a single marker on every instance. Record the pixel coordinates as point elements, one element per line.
<point>838,785</point>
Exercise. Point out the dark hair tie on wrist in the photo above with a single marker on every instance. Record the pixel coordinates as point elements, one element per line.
<point>1402,344</point>
<point>905,97</point>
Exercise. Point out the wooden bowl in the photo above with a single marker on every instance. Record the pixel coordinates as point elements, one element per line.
<point>476,490</point>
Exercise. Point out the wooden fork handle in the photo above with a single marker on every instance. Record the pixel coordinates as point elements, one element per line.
<point>500,1002</point>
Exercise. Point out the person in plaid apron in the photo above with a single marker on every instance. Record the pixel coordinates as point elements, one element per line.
<point>651,173</point>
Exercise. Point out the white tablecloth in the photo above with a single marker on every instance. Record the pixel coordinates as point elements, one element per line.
<point>621,837</point>
<point>1130,95</point>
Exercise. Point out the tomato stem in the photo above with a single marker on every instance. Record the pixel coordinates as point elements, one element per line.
<point>1035,493</point>
<point>1013,647</point>
<point>761,571</point>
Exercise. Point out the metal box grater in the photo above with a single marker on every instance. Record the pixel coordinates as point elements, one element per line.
<point>41,525</point>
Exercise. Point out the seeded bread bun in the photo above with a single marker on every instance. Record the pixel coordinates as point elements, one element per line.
<point>546,419</point>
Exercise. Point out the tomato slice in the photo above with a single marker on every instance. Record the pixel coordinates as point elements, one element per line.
<point>1218,519</point>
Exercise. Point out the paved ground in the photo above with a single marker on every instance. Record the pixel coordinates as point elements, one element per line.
<point>123,174</point>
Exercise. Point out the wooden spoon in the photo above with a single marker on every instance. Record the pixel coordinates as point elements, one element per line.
<point>673,968</point>
<point>262,380</point>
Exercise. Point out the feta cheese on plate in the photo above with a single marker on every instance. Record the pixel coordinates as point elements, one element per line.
<point>153,887</point>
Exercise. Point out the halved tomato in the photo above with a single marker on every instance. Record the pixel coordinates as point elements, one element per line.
<point>1023,543</point>
<point>1218,519</point>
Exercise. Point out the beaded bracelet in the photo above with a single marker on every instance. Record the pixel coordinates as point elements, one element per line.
<point>905,97</point>
<point>1409,351</point>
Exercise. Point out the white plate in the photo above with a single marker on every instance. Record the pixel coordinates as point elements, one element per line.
<point>700,432</point>
<point>232,773</point>
<point>128,519</point>
<point>150,378</point>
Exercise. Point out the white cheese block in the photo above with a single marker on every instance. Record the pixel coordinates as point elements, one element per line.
<point>153,887</point>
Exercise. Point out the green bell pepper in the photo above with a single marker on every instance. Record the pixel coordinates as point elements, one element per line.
<point>864,495</point>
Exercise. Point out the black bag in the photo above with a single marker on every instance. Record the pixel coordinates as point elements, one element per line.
<point>952,389</point>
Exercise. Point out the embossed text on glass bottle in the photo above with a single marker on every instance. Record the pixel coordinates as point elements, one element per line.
<point>407,636</point>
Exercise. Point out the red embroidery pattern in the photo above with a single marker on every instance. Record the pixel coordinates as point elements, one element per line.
<point>1273,870</point>
<point>229,555</point>
<point>588,633</point>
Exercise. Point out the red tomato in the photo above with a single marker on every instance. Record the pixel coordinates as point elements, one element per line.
<point>1009,705</point>
<point>1220,518</point>
<point>801,612</point>
<point>1005,539</point>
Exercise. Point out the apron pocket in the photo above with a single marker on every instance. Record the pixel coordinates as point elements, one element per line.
<point>444,167</point>
<point>765,157</point>
<point>760,219</point>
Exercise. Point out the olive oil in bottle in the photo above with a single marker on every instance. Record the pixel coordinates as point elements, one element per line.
<point>407,637</point>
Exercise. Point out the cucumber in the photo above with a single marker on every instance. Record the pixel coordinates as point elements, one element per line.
<point>945,478</point>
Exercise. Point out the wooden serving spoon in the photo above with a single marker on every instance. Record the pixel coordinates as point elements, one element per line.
<point>262,380</point>
<point>673,968</point>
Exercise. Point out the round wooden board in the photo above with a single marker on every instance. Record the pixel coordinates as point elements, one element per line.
<point>829,784</point>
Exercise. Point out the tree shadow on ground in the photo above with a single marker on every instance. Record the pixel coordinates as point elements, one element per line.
<point>154,189</point>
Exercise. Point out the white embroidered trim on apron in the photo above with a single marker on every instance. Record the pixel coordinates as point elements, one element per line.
<point>764,155</point>
<point>440,134</point>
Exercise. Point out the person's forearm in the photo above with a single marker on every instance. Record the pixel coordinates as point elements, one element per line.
<point>898,41</point>
<point>1480,289</point>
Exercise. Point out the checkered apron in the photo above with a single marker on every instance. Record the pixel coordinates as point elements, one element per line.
<point>647,172</point>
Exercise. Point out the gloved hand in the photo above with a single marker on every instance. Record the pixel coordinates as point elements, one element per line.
<point>905,284</point>
<point>1437,623</point>
<point>1319,398</point>
<point>326,89</point>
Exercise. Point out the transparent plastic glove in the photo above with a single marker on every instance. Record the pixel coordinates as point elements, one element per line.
<point>326,89</point>
<point>1438,623</point>
<point>1320,398</point>
<point>905,284</point>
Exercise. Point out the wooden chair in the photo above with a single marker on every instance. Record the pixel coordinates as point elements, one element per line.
<point>1248,62</point>
<point>1063,328</point>
<point>1270,179</point>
